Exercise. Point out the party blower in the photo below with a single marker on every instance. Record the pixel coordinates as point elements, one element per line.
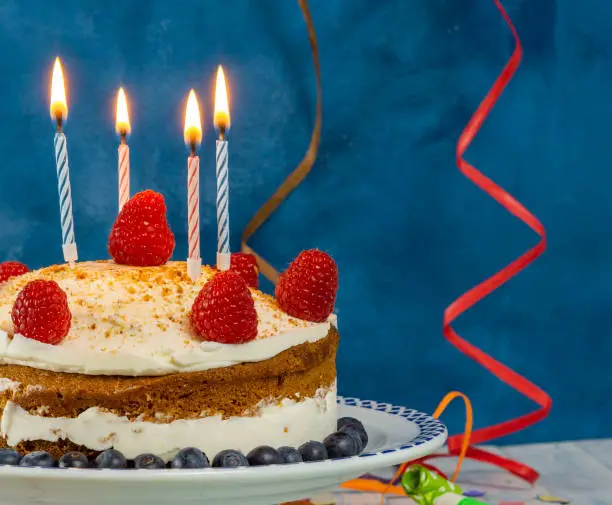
<point>428,488</point>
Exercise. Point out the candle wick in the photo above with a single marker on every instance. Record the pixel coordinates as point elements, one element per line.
<point>59,123</point>
<point>221,132</point>
<point>123,135</point>
<point>192,148</point>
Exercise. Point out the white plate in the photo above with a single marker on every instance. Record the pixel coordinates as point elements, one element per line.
<point>397,434</point>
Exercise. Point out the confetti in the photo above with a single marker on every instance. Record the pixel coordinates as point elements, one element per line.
<point>474,493</point>
<point>551,499</point>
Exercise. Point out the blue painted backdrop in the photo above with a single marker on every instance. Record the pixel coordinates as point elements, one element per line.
<point>400,80</point>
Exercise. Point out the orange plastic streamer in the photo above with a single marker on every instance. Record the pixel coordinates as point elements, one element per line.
<point>469,422</point>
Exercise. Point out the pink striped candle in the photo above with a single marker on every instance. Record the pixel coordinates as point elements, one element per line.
<point>193,137</point>
<point>123,130</point>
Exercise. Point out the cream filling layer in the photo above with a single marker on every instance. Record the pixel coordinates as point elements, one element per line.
<point>286,422</point>
<point>147,358</point>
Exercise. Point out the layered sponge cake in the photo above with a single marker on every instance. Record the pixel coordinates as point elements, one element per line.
<point>152,362</point>
<point>131,374</point>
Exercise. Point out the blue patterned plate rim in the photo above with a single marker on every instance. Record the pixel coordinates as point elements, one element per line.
<point>431,436</point>
<point>430,428</point>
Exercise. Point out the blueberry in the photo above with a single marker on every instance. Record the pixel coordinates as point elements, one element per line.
<point>74,460</point>
<point>313,451</point>
<point>264,455</point>
<point>344,421</point>
<point>111,459</point>
<point>356,424</point>
<point>340,445</point>
<point>290,454</point>
<point>349,430</point>
<point>230,459</point>
<point>149,462</point>
<point>38,458</point>
<point>9,457</point>
<point>190,457</point>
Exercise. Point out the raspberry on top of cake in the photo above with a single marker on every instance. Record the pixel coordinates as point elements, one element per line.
<point>135,321</point>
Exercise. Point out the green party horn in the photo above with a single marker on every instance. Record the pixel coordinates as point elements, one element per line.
<point>428,488</point>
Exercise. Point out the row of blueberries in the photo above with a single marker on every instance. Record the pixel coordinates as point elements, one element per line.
<point>350,440</point>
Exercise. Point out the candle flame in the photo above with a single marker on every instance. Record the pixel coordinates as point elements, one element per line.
<point>122,124</point>
<point>193,123</point>
<point>222,115</point>
<point>59,107</point>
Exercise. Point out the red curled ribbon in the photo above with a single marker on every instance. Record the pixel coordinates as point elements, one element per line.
<point>473,296</point>
<point>477,293</point>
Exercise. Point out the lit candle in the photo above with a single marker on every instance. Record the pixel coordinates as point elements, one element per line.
<point>193,137</point>
<point>59,113</point>
<point>222,123</point>
<point>123,129</point>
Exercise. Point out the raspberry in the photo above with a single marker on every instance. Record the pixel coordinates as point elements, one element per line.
<point>224,310</point>
<point>10,269</point>
<point>141,235</point>
<point>245,265</point>
<point>307,289</point>
<point>41,312</point>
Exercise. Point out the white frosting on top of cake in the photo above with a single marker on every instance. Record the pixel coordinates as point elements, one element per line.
<point>284,422</point>
<point>135,321</point>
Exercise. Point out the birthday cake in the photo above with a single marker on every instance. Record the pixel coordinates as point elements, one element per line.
<point>131,354</point>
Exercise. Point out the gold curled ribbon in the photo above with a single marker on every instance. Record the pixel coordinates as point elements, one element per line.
<point>299,173</point>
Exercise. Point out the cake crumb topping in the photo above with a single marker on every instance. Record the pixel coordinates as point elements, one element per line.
<point>135,310</point>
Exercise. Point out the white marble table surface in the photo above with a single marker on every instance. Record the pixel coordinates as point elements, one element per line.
<point>580,472</point>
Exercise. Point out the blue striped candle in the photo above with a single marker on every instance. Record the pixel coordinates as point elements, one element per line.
<point>223,249</point>
<point>222,123</point>
<point>65,198</point>
<point>59,113</point>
